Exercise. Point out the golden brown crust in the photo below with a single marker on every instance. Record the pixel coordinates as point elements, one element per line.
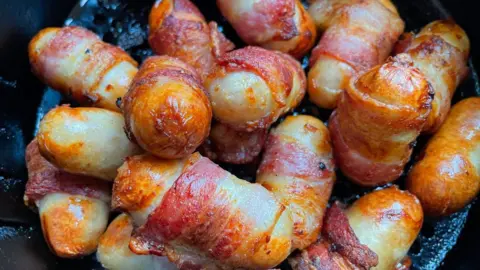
<point>76,62</point>
<point>178,29</point>
<point>278,25</point>
<point>440,51</point>
<point>166,110</point>
<point>447,174</point>
<point>72,224</point>
<point>378,119</point>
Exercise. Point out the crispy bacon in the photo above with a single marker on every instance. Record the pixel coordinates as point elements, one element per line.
<point>360,35</point>
<point>378,118</point>
<point>277,25</point>
<point>440,51</point>
<point>79,64</point>
<point>178,29</point>
<point>221,219</point>
<point>298,168</point>
<point>44,178</point>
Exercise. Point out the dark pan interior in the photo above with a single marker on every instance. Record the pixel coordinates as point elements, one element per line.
<point>24,101</point>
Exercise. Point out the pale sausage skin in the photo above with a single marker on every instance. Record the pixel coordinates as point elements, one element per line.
<point>298,168</point>
<point>77,63</point>
<point>166,110</point>
<point>446,176</point>
<point>378,119</point>
<point>114,254</point>
<point>375,232</point>
<point>358,35</point>
<point>178,29</point>
<point>73,208</point>
<point>200,216</point>
<point>440,51</point>
<point>87,141</point>
<point>282,25</point>
<point>250,88</point>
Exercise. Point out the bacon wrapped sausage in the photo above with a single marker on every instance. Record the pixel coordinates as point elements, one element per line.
<point>88,141</point>
<point>178,29</point>
<point>281,25</point>
<point>202,216</point>
<point>359,35</point>
<point>447,175</point>
<point>440,51</point>
<point>79,64</point>
<point>250,89</point>
<point>114,254</point>
<point>73,208</point>
<point>166,110</point>
<point>298,169</point>
<point>378,119</point>
<point>375,232</point>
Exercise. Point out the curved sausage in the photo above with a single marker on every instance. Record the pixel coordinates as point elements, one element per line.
<point>73,208</point>
<point>250,88</point>
<point>440,51</point>
<point>114,254</point>
<point>76,62</point>
<point>378,119</point>
<point>87,141</point>
<point>298,168</point>
<point>359,35</point>
<point>272,24</point>
<point>447,175</point>
<point>166,110</point>
<point>178,29</point>
<point>205,217</point>
<point>375,232</point>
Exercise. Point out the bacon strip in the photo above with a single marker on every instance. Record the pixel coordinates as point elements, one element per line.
<point>282,25</point>
<point>44,178</point>
<point>298,168</point>
<point>79,64</point>
<point>221,219</point>
<point>440,51</point>
<point>360,35</point>
<point>178,29</point>
<point>378,119</point>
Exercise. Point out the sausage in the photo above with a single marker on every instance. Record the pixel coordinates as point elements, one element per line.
<point>378,119</point>
<point>76,62</point>
<point>73,208</point>
<point>178,29</point>
<point>358,35</point>
<point>250,88</point>
<point>205,217</point>
<point>446,176</point>
<point>113,252</point>
<point>298,168</point>
<point>166,110</point>
<point>87,141</point>
<point>440,51</point>
<point>276,25</point>
<point>375,232</point>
